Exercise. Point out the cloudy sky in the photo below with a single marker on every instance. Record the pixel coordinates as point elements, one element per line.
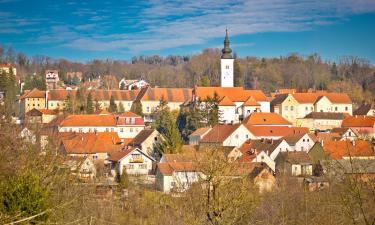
<point>83,30</point>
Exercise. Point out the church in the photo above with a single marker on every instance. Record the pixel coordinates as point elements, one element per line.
<point>235,103</point>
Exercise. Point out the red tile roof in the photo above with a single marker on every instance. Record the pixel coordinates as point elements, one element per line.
<point>170,167</point>
<point>225,101</point>
<point>340,149</point>
<point>251,102</point>
<point>359,121</point>
<point>35,93</point>
<point>102,120</point>
<point>236,94</point>
<point>262,118</point>
<point>340,98</point>
<point>219,133</point>
<point>90,143</point>
<point>169,94</point>
<point>275,131</point>
<point>200,131</point>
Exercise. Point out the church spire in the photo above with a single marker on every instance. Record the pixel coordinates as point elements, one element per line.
<point>226,50</point>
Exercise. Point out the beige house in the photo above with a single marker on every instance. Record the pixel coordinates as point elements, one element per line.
<point>321,120</point>
<point>227,135</point>
<point>40,116</point>
<point>298,105</point>
<point>146,141</point>
<point>34,99</point>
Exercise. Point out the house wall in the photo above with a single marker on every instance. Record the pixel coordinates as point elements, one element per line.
<point>263,157</point>
<point>28,104</point>
<point>134,167</point>
<point>304,144</point>
<point>301,170</point>
<point>318,124</point>
<point>123,131</point>
<point>238,137</point>
<point>48,118</point>
<point>247,110</point>
<point>365,132</point>
<point>282,147</point>
<point>228,114</point>
<point>265,106</point>
<point>323,105</point>
<point>148,145</point>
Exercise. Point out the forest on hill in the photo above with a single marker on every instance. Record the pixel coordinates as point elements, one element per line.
<point>350,74</point>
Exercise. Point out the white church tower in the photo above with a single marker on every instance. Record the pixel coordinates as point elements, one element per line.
<point>227,64</point>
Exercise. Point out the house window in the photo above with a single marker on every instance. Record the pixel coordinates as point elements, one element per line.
<point>336,108</point>
<point>65,129</point>
<point>247,136</point>
<point>147,109</point>
<point>94,157</point>
<point>173,184</point>
<point>286,108</point>
<point>106,129</point>
<point>346,108</point>
<point>121,129</point>
<point>291,108</point>
<point>227,67</point>
<point>51,104</point>
<point>129,166</point>
<point>262,157</point>
<point>112,129</point>
<point>131,129</point>
<point>142,166</point>
<point>90,130</point>
<point>303,140</point>
<point>306,108</point>
<point>80,130</point>
<point>301,148</point>
<point>236,136</point>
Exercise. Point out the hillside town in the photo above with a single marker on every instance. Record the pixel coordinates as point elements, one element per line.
<point>128,130</point>
<point>111,132</point>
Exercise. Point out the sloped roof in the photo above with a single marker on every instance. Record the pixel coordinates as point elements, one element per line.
<point>279,99</point>
<point>116,156</point>
<point>362,110</point>
<point>235,94</point>
<point>170,167</point>
<point>169,94</point>
<point>340,130</point>
<point>296,157</point>
<point>252,147</point>
<point>200,131</point>
<point>340,98</point>
<point>219,133</point>
<point>89,120</point>
<point>263,118</point>
<point>90,143</point>
<point>275,131</point>
<point>60,94</point>
<point>141,137</point>
<point>292,139</point>
<point>326,115</point>
<point>97,94</point>
<point>225,101</point>
<point>251,102</point>
<point>35,93</point>
<point>346,148</point>
<point>358,121</point>
<point>327,136</point>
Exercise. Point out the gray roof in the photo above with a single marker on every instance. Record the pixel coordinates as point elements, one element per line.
<point>325,115</point>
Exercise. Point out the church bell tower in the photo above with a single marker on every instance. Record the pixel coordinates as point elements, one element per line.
<point>226,63</point>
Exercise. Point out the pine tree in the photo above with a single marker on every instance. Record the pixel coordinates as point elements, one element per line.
<point>69,106</point>
<point>166,125</point>
<point>89,104</point>
<point>189,120</point>
<point>238,76</point>
<point>112,105</point>
<point>97,105</point>
<point>137,108</point>
<point>121,107</point>
<point>205,81</point>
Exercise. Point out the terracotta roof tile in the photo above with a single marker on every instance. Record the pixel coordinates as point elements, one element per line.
<point>340,149</point>
<point>90,143</point>
<point>225,101</point>
<point>141,137</point>
<point>236,94</point>
<point>251,102</point>
<point>102,120</point>
<point>253,147</point>
<point>201,131</point>
<point>326,115</point>
<point>262,118</point>
<point>359,121</point>
<point>35,93</point>
<point>219,133</point>
<point>340,98</point>
<point>169,94</point>
<point>363,109</point>
<point>169,168</point>
<point>275,131</point>
<point>296,157</point>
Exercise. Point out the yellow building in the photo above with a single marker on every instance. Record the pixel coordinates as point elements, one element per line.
<point>7,67</point>
<point>297,105</point>
<point>34,99</point>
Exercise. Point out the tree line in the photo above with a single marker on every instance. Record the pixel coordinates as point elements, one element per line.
<point>350,74</point>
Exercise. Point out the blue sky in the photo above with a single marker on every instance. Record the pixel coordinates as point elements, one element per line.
<point>84,30</point>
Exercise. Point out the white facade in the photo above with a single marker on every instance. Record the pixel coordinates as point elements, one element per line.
<point>303,144</point>
<point>178,181</point>
<point>238,137</point>
<point>227,72</point>
<point>122,131</point>
<point>263,157</point>
<point>282,147</point>
<point>228,114</point>
<point>135,163</point>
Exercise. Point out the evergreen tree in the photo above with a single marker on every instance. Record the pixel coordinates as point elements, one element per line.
<point>69,104</point>
<point>89,104</point>
<point>166,125</point>
<point>189,120</point>
<point>137,108</point>
<point>205,81</point>
<point>121,107</point>
<point>123,179</point>
<point>211,113</point>
<point>9,86</point>
<point>238,75</point>
<point>112,105</point>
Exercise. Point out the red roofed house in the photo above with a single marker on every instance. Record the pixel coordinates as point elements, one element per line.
<point>227,135</point>
<point>146,141</point>
<point>346,149</point>
<point>266,119</point>
<point>274,132</point>
<point>52,77</point>
<point>298,105</point>
<point>300,142</point>
<point>34,99</point>
<point>197,135</point>
<point>364,126</point>
<point>40,116</point>
<point>235,103</point>
<point>133,160</point>
<point>127,125</point>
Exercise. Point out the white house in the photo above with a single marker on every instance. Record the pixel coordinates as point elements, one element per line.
<point>133,160</point>
<point>146,141</point>
<point>227,135</point>
<point>300,142</point>
<point>177,176</point>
